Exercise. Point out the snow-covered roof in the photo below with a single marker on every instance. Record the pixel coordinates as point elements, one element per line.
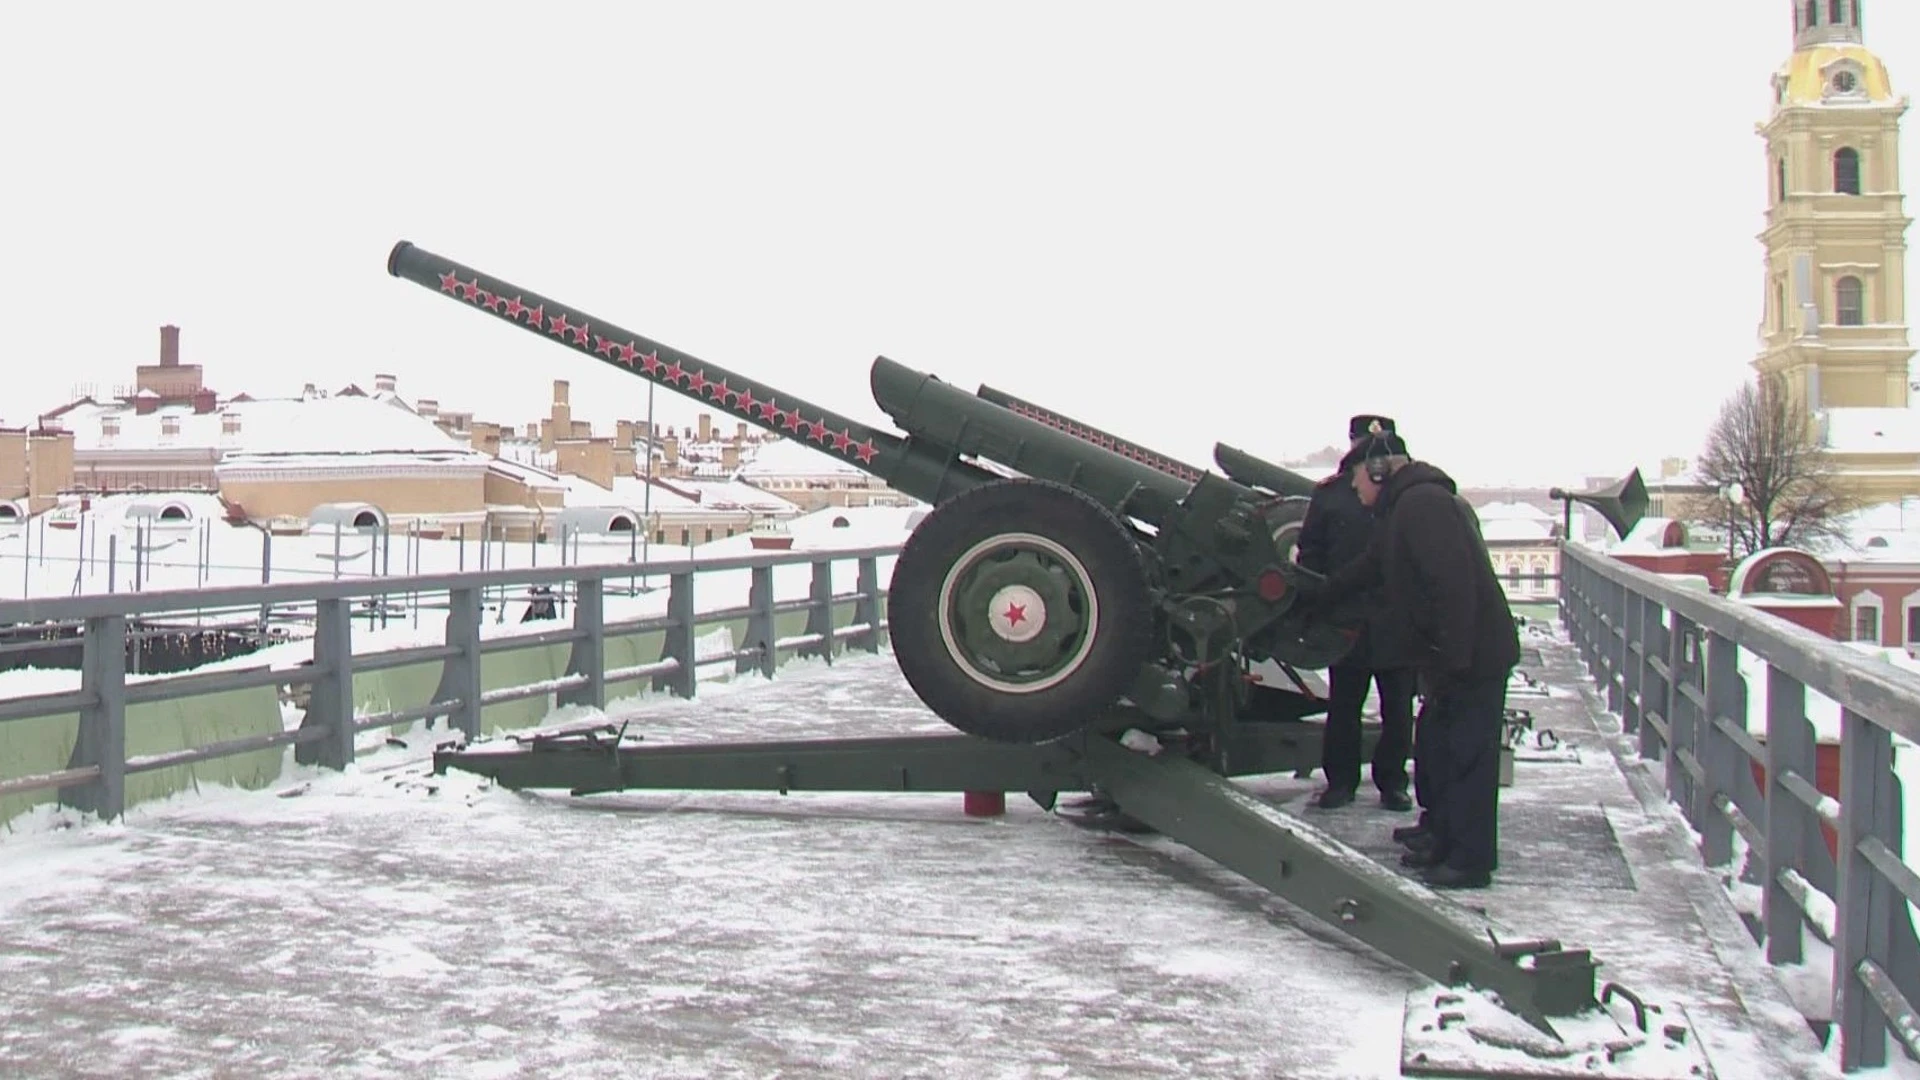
<point>113,510</point>
<point>1888,532</point>
<point>1872,431</point>
<point>731,494</point>
<point>1514,521</point>
<point>792,457</point>
<point>330,425</point>
<point>531,475</point>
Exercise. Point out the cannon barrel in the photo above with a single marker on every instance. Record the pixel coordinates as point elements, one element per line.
<point>1254,472</point>
<point>923,472</point>
<point>1081,430</point>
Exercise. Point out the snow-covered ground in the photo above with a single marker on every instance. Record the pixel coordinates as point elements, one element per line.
<point>384,922</point>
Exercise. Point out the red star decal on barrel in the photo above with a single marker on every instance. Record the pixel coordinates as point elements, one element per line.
<point>841,440</point>
<point>536,316</point>
<point>745,401</point>
<point>817,431</point>
<point>650,363</point>
<point>603,346</point>
<point>794,421</point>
<point>627,353</point>
<point>449,281</point>
<point>491,300</point>
<point>770,410</point>
<point>470,289</point>
<point>865,451</point>
<point>580,334</point>
<point>672,372</point>
<point>696,381</point>
<point>514,308</point>
<point>719,391</point>
<point>557,325</point>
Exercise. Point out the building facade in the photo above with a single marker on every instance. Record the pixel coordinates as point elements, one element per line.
<point>1835,323</point>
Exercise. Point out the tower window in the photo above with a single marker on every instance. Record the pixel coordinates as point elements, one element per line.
<point>1837,12</point>
<point>1812,13</point>
<point>1846,171</point>
<point>1849,302</point>
<point>1780,177</point>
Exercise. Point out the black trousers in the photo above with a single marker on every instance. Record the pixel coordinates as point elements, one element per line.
<point>1460,728</point>
<point>1340,750</point>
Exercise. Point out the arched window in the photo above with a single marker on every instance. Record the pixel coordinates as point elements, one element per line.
<point>366,519</point>
<point>173,513</point>
<point>1812,13</point>
<point>1846,171</point>
<point>1837,12</point>
<point>1780,178</point>
<point>1849,302</point>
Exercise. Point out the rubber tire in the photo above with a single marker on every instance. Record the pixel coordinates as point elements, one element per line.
<point>1123,639</point>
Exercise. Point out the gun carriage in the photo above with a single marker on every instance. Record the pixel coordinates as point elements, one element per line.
<point>1103,619</point>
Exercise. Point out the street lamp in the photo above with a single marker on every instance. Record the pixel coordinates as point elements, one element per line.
<point>1734,494</point>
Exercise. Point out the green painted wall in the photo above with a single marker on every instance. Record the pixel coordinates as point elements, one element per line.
<point>45,744</point>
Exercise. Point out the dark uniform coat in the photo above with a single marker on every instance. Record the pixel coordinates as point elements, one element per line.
<point>1432,568</point>
<point>1339,529</point>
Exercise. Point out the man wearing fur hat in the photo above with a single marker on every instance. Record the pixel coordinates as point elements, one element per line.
<point>1432,566</point>
<point>1337,530</point>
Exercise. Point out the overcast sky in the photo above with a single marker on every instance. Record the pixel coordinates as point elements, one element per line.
<point>1530,238</point>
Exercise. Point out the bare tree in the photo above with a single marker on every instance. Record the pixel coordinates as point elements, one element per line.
<point>1789,491</point>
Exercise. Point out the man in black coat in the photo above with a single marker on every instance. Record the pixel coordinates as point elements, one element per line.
<point>1337,530</point>
<point>1433,568</point>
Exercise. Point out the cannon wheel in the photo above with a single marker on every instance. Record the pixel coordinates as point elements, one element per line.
<point>1019,611</point>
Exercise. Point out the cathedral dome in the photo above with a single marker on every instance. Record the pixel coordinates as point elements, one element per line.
<point>1833,73</point>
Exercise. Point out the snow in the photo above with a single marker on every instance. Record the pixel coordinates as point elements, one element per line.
<point>270,427</point>
<point>784,458</point>
<point>386,922</point>
<point>1872,430</point>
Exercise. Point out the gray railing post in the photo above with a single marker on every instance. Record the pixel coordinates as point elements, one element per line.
<point>757,652</point>
<point>1726,697</point>
<point>1617,646</point>
<point>101,739</point>
<point>1866,902</point>
<point>331,701</point>
<point>1641,692</point>
<point>460,678</point>
<point>589,653</point>
<point>1790,748</point>
<point>1685,667</point>
<point>679,644</point>
<point>820,612</point>
<point>866,608</point>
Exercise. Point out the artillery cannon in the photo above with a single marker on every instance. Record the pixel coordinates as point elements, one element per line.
<point>1091,623</point>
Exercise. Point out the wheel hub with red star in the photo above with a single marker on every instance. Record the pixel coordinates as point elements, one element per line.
<point>1017,612</point>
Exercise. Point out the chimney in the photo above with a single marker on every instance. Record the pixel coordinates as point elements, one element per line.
<point>706,427</point>
<point>205,401</point>
<point>623,434</point>
<point>385,384</point>
<point>670,451</point>
<point>740,432</point>
<point>533,430</point>
<point>730,457</point>
<point>169,346</point>
<point>427,407</point>
<point>560,391</point>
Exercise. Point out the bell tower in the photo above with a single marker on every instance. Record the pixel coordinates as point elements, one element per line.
<point>1835,321</point>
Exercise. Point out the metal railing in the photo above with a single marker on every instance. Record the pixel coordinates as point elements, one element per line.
<point>95,779</point>
<point>1667,660</point>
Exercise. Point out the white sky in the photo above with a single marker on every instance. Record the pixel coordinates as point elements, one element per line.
<point>1530,238</point>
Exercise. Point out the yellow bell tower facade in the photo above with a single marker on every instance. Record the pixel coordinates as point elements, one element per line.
<point>1836,323</point>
